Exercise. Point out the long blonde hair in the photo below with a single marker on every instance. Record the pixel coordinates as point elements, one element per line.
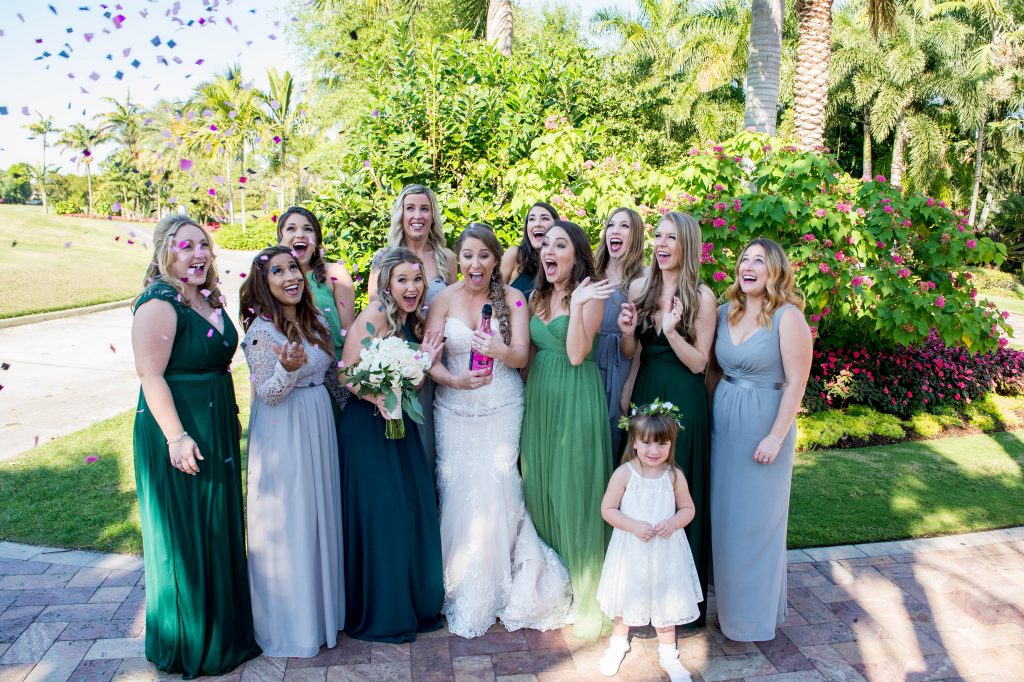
<point>780,288</point>
<point>632,259</point>
<point>496,287</point>
<point>435,238</point>
<point>164,253</point>
<point>689,283</point>
<point>391,258</point>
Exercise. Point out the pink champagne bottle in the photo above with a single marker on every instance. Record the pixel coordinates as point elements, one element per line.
<point>478,361</point>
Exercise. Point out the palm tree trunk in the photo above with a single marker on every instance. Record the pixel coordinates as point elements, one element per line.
<point>227,183</point>
<point>242,188</point>
<point>989,200</point>
<point>810,87</point>
<point>868,171</point>
<point>898,162</point>
<point>88,183</point>
<point>499,25</point>
<point>763,65</point>
<point>42,179</point>
<point>979,154</point>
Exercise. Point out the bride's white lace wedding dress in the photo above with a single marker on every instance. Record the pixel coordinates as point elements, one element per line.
<point>495,565</point>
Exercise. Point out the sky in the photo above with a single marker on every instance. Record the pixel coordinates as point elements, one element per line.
<point>62,57</point>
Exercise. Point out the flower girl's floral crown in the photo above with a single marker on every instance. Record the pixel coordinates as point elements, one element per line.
<point>659,407</point>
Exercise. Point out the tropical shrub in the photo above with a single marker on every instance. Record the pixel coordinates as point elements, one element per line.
<point>67,207</point>
<point>257,235</point>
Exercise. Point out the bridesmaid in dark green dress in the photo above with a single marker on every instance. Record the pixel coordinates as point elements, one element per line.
<point>394,584</point>
<point>671,318</point>
<point>565,445</point>
<point>187,468</point>
<point>329,283</point>
<point>520,264</point>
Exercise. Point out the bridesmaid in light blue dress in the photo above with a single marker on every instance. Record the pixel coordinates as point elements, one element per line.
<point>758,375</point>
<point>620,260</point>
<point>417,224</point>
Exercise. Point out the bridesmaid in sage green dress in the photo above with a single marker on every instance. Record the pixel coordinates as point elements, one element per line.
<point>329,283</point>
<point>672,320</point>
<point>394,583</point>
<point>564,445</point>
<point>520,264</point>
<point>187,468</point>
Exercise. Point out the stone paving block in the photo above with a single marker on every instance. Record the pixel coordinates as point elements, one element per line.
<point>829,553</point>
<point>431,658</point>
<point>800,567</point>
<point>386,672</point>
<point>16,550</point>
<point>77,612</point>
<point>59,662</point>
<point>887,548</point>
<point>129,609</point>
<point>88,577</point>
<point>13,567</point>
<point>110,595</point>
<point>784,655</point>
<point>518,662</point>
<point>8,597</point>
<point>58,595</point>
<point>33,643</point>
<point>797,556</point>
<point>382,652</point>
<point>823,633</point>
<point>831,664</point>
<point>806,602</point>
<point>516,678</point>
<point>473,669</point>
<point>121,647</point>
<point>264,669</point>
<point>489,643</point>
<point>69,557</point>
<point>1004,634</point>
<point>347,651</point>
<point>139,669</point>
<point>118,578</point>
<point>15,672</point>
<point>122,562</point>
<point>95,671</point>
<point>551,639</point>
<point>12,628</point>
<point>742,665</point>
<point>306,675</point>
<point>801,676</point>
<point>102,629</point>
<point>807,579</point>
<point>34,582</point>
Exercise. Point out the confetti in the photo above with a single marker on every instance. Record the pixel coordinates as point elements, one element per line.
<point>209,334</point>
<point>91,458</point>
<point>5,366</point>
<point>185,164</point>
<point>67,245</point>
<point>112,348</point>
<point>519,304</point>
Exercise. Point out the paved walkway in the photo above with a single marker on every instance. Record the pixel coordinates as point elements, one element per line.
<point>939,609</point>
<point>70,373</point>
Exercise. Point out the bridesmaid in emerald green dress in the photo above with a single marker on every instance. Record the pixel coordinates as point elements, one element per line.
<point>187,468</point>
<point>671,319</point>
<point>520,264</point>
<point>392,538</point>
<point>565,445</point>
<point>329,283</point>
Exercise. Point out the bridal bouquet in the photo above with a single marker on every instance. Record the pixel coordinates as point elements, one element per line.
<point>392,368</point>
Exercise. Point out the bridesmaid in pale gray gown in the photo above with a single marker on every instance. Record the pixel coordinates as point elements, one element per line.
<point>293,479</point>
<point>762,356</point>
<point>620,260</point>
<point>417,224</point>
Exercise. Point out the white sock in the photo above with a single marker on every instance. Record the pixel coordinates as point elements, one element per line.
<point>668,656</point>
<point>668,651</point>
<point>620,643</point>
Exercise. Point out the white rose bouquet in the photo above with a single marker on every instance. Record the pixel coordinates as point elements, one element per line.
<point>392,368</point>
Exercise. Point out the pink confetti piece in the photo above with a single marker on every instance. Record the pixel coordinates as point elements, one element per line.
<point>118,20</point>
<point>277,139</point>
<point>242,180</point>
<point>91,458</point>
<point>185,164</point>
<point>213,192</point>
<point>209,334</point>
<point>115,207</point>
<point>67,245</point>
<point>164,337</point>
<point>519,304</point>
<point>242,275</point>
<point>344,333</point>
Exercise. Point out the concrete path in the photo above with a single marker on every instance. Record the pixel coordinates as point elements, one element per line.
<point>938,609</point>
<point>70,373</point>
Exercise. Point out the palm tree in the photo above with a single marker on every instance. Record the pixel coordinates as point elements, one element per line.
<point>123,124</point>
<point>282,118</point>
<point>764,65</point>
<point>810,89</point>
<point>81,138</point>
<point>41,128</point>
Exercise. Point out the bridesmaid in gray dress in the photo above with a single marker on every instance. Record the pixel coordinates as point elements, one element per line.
<point>417,224</point>
<point>620,260</point>
<point>293,479</point>
<point>762,356</point>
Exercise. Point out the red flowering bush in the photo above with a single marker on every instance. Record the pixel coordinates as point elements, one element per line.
<point>902,380</point>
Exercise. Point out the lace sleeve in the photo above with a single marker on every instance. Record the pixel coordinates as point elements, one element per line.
<point>270,379</point>
<point>334,387</point>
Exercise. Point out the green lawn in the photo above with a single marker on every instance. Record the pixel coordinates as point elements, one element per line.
<point>39,273</point>
<point>1003,302</point>
<point>912,489</point>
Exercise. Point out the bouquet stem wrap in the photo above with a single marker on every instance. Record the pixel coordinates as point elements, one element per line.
<point>394,427</point>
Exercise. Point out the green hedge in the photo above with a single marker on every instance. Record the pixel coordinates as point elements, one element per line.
<point>257,235</point>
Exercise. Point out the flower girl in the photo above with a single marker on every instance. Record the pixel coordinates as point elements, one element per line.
<point>648,577</point>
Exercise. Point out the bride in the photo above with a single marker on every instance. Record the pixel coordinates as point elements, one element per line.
<point>495,565</point>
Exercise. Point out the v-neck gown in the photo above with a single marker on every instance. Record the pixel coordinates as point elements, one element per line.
<point>198,614</point>
<point>566,458</point>
<point>662,375</point>
<point>749,501</point>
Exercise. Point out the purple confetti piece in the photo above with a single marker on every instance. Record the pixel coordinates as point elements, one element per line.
<point>519,304</point>
<point>91,458</point>
<point>209,334</point>
<point>185,164</point>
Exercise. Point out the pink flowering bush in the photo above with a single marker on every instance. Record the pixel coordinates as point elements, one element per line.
<point>902,380</point>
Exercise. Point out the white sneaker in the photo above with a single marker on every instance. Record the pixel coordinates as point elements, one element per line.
<point>676,671</point>
<point>613,656</point>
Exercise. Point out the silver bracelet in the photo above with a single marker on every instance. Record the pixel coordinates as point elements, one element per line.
<point>172,441</point>
<point>779,442</point>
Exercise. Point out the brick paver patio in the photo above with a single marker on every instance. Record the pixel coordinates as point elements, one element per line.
<point>936,609</point>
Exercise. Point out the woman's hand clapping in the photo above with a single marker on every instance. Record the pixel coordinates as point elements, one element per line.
<point>671,317</point>
<point>588,291</point>
<point>290,355</point>
<point>627,319</point>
